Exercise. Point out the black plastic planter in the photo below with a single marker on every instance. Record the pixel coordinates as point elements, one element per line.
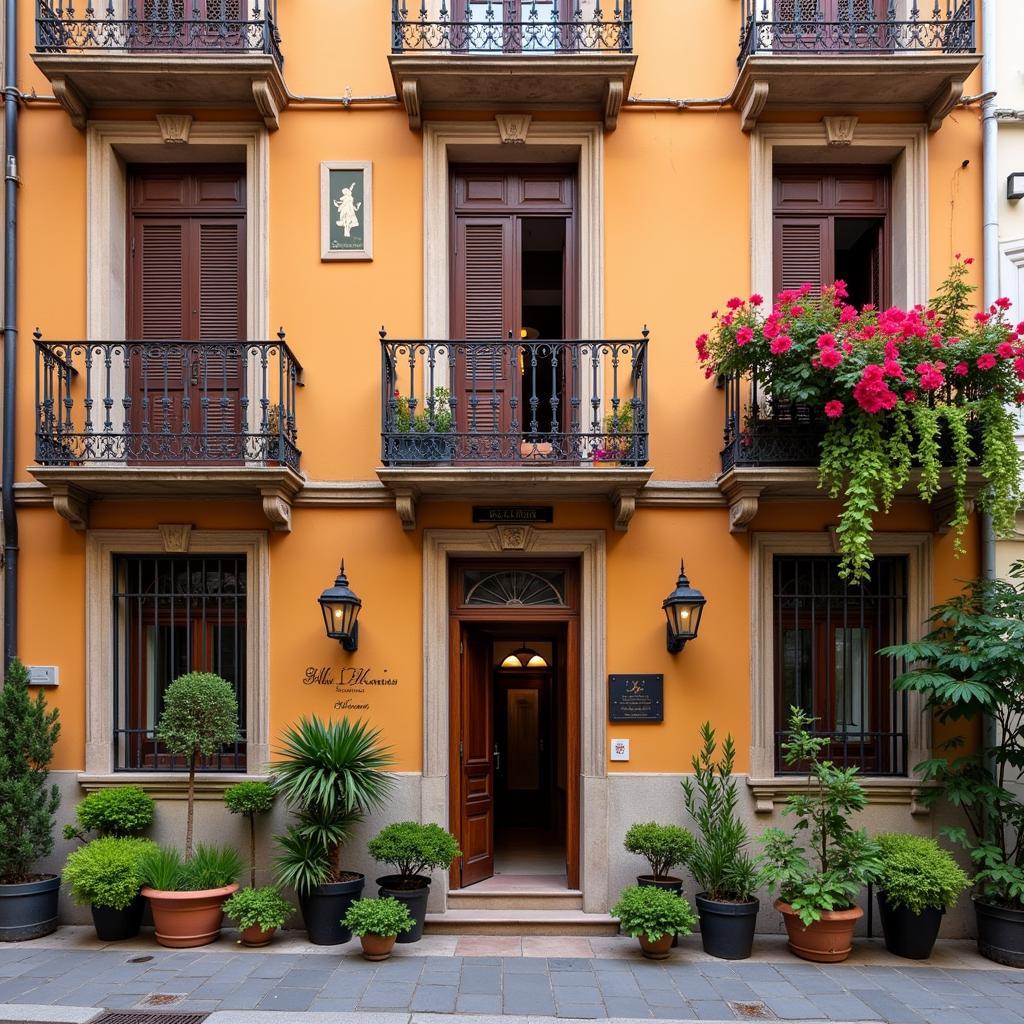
<point>323,908</point>
<point>1000,934</point>
<point>414,898</point>
<point>28,910</point>
<point>114,925</point>
<point>669,882</point>
<point>907,934</point>
<point>727,929</point>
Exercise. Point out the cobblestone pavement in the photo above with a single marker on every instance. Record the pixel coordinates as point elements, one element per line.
<point>615,984</point>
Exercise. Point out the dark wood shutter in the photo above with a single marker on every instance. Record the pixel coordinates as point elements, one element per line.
<point>803,251</point>
<point>159,283</point>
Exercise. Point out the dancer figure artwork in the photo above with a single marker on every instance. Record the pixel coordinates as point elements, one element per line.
<point>346,210</point>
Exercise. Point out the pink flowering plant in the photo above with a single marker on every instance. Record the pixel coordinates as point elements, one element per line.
<point>901,392</point>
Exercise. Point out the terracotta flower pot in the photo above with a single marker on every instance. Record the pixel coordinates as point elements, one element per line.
<point>186,919</point>
<point>254,935</point>
<point>377,947</point>
<point>659,950</point>
<point>827,941</point>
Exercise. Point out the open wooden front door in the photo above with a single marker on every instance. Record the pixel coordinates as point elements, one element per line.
<point>476,763</point>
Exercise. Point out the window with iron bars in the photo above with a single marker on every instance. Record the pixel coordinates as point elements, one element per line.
<point>827,635</point>
<point>174,614</point>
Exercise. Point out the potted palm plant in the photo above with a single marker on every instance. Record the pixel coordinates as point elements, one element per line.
<point>28,804</point>
<point>331,774</point>
<point>258,913</point>
<point>412,848</point>
<point>105,875</point>
<point>378,923</point>
<point>655,917</point>
<point>821,864</point>
<point>918,881</point>
<point>727,876</point>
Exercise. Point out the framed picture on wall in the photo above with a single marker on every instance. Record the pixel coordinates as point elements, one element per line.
<point>346,210</point>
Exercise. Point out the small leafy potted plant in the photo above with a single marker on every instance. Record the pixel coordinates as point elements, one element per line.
<point>378,923</point>
<point>28,804</point>
<point>258,913</point>
<point>412,847</point>
<point>433,426</point>
<point>655,917</point>
<point>187,896</point>
<point>918,881</point>
<point>105,875</point>
<point>331,774</point>
<point>663,847</point>
<point>250,799</point>
<point>200,716</point>
<point>819,881</point>
<point>727,876</point>
<point>118,811</point>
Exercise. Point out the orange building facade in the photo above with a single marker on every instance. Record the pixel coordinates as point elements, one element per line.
<point>540,203</point>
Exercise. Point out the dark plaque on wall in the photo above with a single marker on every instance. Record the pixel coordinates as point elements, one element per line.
<point>513,514</point>
<point>633,698</point>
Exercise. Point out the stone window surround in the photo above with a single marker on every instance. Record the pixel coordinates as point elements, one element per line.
<point>766,786</point>
<point>101,546</point>
<point>110,145</point>
<point>439,546</point>
<point>903,146</point>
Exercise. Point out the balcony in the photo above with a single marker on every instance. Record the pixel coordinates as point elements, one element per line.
<point>210,53</point>
<point>535,419</point>
<point>512,55</point>
<point>860,54</point>
<point>171,419</point>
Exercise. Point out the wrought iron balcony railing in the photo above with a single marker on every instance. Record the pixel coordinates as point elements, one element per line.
<point>856,27</point>
<point>534,27</point>
<point>144,27</point>
<point>526,402</point>
<point>179,403</point>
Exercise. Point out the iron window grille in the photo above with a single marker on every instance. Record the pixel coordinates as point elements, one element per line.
<point>826,661</point>
<point>174,614</point>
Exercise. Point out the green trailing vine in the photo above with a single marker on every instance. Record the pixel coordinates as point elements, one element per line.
<point>956,418</point>
<point>926,429</point>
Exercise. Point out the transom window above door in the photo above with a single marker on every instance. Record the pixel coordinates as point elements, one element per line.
<point>510,588</point>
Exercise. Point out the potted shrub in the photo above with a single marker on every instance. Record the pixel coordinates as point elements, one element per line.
<point>118,811</point>
<point>28,804</point>
<point>250,799</point>
<point>918,881</point>
<point>822,862</point>
<point>330,773</point>
<point>433,425</point>
<point>663,847</point>
<point>105,875</point>
<point>969,668</point>
<point>727,876</point>
<point>412,847</point>
<point>258,913</point>
<point>378,923</point>
<point>187,896</point>
<point>655,917</point>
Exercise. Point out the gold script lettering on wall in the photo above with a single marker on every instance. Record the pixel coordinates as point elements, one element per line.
<point>351,687</point>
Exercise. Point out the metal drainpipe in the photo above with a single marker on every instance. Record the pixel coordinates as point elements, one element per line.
<point>10,329</point>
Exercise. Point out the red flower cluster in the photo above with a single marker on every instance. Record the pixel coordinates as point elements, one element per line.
<point>871,392</point>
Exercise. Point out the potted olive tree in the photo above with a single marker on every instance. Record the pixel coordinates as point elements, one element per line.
<point>378,923</point>
<point>412,848</point>
<point>200,716</point>
<point>918,881</point>
<point>727,876</point>
<point>969,667</point>
<point>331,774</point>
<point>822,862</point>
<point>28,804</point>
<point>654,916</point>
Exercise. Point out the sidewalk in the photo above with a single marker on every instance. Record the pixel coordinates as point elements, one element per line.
<point>70,975</point>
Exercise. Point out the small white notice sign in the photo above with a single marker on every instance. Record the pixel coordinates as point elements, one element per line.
<point>620,750</point>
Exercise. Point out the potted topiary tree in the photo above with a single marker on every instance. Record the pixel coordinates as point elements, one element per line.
<point>726,875</point>
<point>412,847</point>
<point>200,716</point>
<point>250,799</point>
<point>118,811</point>
<point>817,900</point>
<point>258,914</point>
<point>28,804</point>
<point>655,917</point>
<point>105,875</point>
<point>969,668</point>
<point>918,881</point>
<point>330,773</point>
<point>663,847</point>
<point>378,923</point>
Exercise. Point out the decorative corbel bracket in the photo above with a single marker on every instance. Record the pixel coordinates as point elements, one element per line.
<point>752,105</point>
<point>943,103</point>
<point>743,498</point>
<point>71,101</point>
<point>405,506</point>
<point>624,502</point>
<point>411,99</point>
<point>277,507</point>
<point>71,504</point>
<point>613,101</point>
<point>267,104</point>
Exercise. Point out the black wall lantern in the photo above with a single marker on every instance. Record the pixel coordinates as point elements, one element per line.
<point>683,609</point>
<point>341,612</point>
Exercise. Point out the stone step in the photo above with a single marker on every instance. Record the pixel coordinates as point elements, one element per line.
<point>521,922</point>
<point>515,899</point>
